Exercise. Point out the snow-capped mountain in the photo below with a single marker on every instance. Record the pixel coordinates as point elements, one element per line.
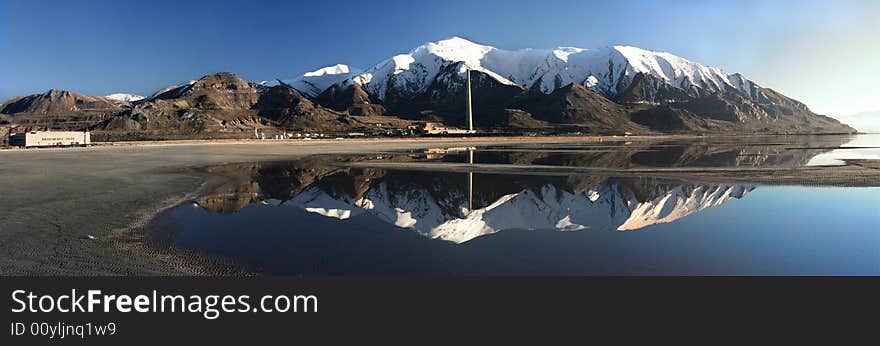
<point>610,90</point>
<point>311,84</point>
<point>607,70</point>
<point>124,97</point>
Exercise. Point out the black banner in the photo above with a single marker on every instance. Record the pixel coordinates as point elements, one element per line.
<point>407,308</point>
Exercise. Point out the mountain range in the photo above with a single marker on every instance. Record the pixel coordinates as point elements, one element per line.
<point>610,90</point>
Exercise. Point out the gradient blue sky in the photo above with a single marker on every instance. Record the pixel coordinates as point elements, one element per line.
<point>824,53</point>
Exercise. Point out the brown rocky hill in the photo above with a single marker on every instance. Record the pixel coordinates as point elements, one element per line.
<point>55,102</point>
<point>350,98</point>
<point>59,109</point>
<point>288,109</point>
<point>220,105</point>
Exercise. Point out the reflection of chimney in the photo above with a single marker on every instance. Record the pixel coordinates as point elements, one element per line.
<point>470,182</point>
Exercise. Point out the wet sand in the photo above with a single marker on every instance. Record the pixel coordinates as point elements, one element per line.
<point>56,200</point>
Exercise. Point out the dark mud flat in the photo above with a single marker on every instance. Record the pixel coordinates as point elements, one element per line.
<point>790,206</point>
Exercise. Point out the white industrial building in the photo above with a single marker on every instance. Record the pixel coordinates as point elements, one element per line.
<point>50,138</point>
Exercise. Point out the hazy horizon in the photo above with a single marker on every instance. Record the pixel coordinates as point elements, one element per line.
<point>825,56</point>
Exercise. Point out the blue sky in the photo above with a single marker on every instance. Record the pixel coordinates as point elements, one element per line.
<point>825,54</point>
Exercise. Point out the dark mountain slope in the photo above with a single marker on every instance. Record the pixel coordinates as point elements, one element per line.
<point>579,106</point>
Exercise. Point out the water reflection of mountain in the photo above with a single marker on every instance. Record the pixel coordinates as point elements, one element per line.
<point>437,204</point>
<point>461,206</point>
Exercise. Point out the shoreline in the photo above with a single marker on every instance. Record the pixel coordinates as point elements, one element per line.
<point>61,197</point>
<point>439,139</point>
<point>136,238</point>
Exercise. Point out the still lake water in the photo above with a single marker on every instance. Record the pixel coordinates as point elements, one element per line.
<point>331,216</point>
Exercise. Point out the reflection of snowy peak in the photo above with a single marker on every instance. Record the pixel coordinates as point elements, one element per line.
<point>681,201</point>
<point>550,208</point>
<point>607,206</point>
<point>315,200</point>
<point>608,70</point>
<point>415,208</point>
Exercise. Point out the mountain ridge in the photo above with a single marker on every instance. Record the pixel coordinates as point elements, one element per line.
<point>608,90</point>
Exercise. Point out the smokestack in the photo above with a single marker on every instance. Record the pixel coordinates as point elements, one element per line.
<point>470,112</point>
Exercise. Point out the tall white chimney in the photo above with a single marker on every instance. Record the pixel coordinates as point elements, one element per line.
<point>470,112</point>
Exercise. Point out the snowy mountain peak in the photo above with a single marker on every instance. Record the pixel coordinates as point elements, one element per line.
<point>562,53</point>
<point>329,70</point>
<point>607,70</point>
<point>412,73</point>
<point>457,49</point>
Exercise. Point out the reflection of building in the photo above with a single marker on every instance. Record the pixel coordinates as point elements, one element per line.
<point>4,136</point>
<point>50,138</point>
<point>435,153</point>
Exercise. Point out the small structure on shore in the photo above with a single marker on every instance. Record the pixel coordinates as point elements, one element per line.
<point>436,128</point>
<point>32,138</point>
<point>433,128</point>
